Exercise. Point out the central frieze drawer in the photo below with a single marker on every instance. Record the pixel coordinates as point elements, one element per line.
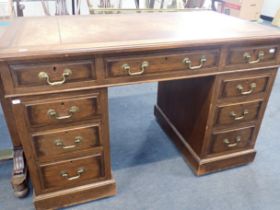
<point>52,74</point>
<point>72,172</point>
<point>54,144</point>
<point>232,114</point>
<point>150,64</point>
<point>63,110</point>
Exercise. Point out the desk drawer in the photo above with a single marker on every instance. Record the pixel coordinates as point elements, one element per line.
<point>137,65</point>
<point>63,110</point>
<point>72,172</point>
<point>232,114</point>
<point>52,74</point>
<point>252,56</point>
<point>230,141</point>
<point>53,145</point>
<point>244,87</point>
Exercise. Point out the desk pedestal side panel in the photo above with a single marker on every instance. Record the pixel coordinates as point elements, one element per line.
<point>211,140</point>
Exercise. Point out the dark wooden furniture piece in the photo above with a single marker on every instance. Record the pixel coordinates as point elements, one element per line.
<point>215,76</point>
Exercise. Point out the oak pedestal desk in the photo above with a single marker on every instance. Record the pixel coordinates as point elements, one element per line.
<point>215,76</point>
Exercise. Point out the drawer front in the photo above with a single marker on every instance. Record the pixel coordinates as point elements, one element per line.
<point>63,110</point>
<point>233,114</point>
<point>244,87</point>
<point>251,56</point>
<point>150,64</point>
<point>52,145</point>
<point>230,141</point>
<point>52,74</point>
<point>72,172</point>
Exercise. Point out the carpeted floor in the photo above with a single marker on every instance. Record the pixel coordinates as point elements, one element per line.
<point>151,174</point>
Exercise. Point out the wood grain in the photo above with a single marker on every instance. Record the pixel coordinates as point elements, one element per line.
<point>218,144</point>
<point>46,148</point>
<point>63,34</point>
<point>224,114</point>
<point>193,107</point>
<point>52,174</point>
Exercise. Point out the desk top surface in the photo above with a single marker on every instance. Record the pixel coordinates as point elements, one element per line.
<point>106,33</point>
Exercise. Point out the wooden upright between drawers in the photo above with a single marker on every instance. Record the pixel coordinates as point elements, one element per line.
<point>215,76</point>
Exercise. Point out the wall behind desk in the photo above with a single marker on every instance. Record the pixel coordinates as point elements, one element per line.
<point>34,8</point>
<point>270,7</point>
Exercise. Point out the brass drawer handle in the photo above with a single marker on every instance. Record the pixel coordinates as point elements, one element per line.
<point>71,111</point>
<point>65,174</point>
<point>247,57</point>
<point>43,75</point>
<point>127,68</point>
<point>77,141</point>
<point>230,145</point>
<point>188,62</point>
<point>241,89</point>
<point>234,115</point>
